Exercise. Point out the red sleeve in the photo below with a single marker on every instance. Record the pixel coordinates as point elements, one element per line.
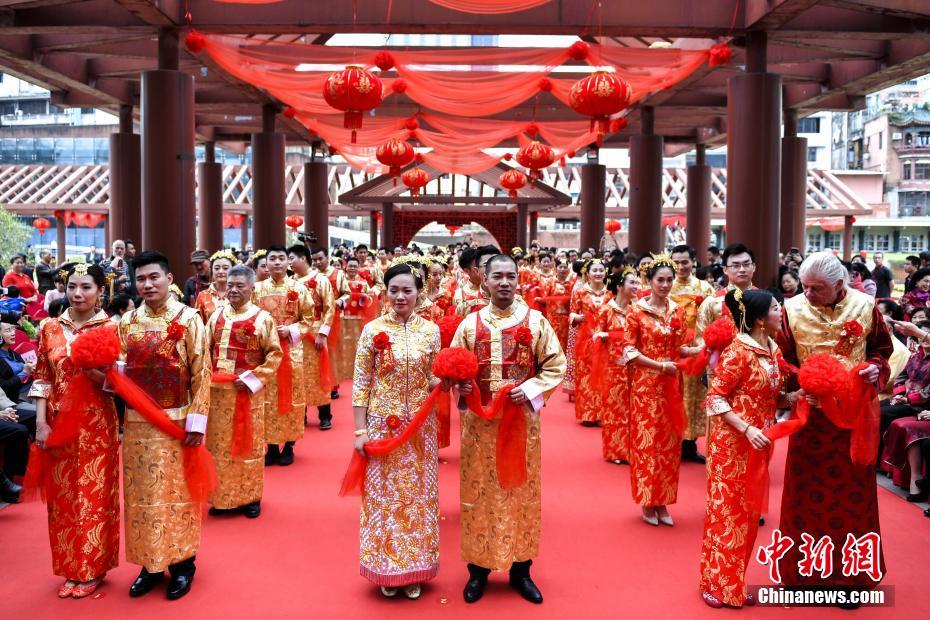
<point>878,347</point>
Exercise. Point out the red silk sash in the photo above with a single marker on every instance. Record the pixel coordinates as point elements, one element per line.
<point>242,417</point>
<point>285,379</point>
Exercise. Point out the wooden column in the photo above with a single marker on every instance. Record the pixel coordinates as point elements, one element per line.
<point>793,185</point>
<point>646,152</point>
<point>316,201</point>
<point>523,225</point>
<point>847,237</point>
<point>244,233</point>
<point>387,225</point>
<point>125,216</point>
<point>210,202</point>
<point>534,226</point>
<point>372,233</point>
<point>268,209</point>
<point>593,197</point>
<point>698,198</point>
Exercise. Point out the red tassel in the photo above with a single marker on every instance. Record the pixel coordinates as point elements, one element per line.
<point>285,379</point>
<point>694,366</point>
<point>335,331</point>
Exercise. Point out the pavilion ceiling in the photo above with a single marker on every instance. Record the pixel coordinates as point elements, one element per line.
<point>89,53</point>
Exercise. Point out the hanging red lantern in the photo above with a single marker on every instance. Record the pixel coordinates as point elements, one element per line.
<point>535,156</point>
<point>395,153</point>
<point>415,179</point>
<point>289,112</point>
<point>195,41</point>
<point>41,224</point>
<point>233,220</point>
<point>353,91</point>
<point>613,226</point>
<point>512,180</point>
<point>452,228</point>
<point>294,222</point>
<point>384,60</point>
<point>719,55</point>
<point>600,95</point>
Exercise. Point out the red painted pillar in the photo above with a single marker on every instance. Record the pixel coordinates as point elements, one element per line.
<point>534,226</point>
<point>244,233</point>
<point>793,185</point>
<point>167,113</point>
<point>698,200</point>
<point>847,237</point>
<point>523,225</point>
<point>387,225</point>
<point>316,201</point>
<point>125,217</point>
<point>372,232</point>
<point>210,202</point>
<point>61,243</point>
<point>268,209</point>
<point>646,152</point>
<point>754,160</point>
<point>592,198</point>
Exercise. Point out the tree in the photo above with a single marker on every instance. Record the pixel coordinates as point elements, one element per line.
<point>14,236</point>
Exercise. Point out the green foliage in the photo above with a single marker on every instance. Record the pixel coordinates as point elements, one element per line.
<point>14,236</point>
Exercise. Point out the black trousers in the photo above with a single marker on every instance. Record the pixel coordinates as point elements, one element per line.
<point>14,440</point>
<point>324,412</point>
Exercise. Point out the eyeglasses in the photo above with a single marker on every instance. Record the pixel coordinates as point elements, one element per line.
<point>738,266</point>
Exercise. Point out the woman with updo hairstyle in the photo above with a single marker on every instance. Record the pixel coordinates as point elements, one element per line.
<point>214,296</point>
<point>77,429</point>
<point>656,335</point>
<point>747,387</point>
<point>555,300</point>
<point>613,378</point>
<point>393,377</point>
<point>585,304</point>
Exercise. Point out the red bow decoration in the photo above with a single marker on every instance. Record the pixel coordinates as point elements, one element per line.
<point>675,323</point>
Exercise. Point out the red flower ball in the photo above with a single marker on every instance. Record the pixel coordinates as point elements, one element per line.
<point>399,86</point>
<point>289,112</point>
<point>175,331</point>
<point>823,375</point>
<point>720,54</point>
<point>411,124</point>
<point>96,348</point>
<point>852,328</point>
<point>532,129</point>
<point>524,336</point>
<point>381,341</point>
<point>384,60</point>
<point>545,85</point>
<point>393,422</point>
<point>720,333</point>
<point>447,327</point>
<point>456,363</point>
<point>292,296</point>
<point>579,50</point>
<point>195,41</point>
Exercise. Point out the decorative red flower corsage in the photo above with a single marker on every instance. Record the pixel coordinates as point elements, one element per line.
<point>175,331</point>
<point>393,422</point>
<point>292,296</point>
<point>675,323</point>
<point>852,328</point>
<point>381,341</point>
<point>312,283</point>
<point>852,332</point>
<point>524,336</point>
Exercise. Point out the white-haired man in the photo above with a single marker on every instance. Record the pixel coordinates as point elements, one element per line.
<point>825,493</point>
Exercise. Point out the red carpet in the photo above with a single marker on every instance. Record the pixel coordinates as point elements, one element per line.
<point>300,559</point>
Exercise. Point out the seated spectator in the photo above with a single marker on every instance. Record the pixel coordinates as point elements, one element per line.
<point>919,297</point>
<point>120,305</point>
<point>15,372</point>
<point>790,284</point>
<point>903,443</point>
<point>57,307</point>
<point>17,426</point>
<point>860,278</point>
<point>890,309</point>
<point>15,277</point>
<point>56,293</point>
<point>912,386</point>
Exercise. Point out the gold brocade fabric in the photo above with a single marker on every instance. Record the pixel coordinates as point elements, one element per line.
<point>747,382</point>
<point>589,406</point>
<point>240,480</point>
<point>208,301</point>
<point>324,312</point>
<point>502,526</point>
<point>351,328</point>
<point>819,330</point>
<point>615,421</point>
<point>162,523</point>
<point>399,522</point>
<point>273,299</point>
<point>469,298</point>
<point>655,447</point>
<point>690,294</point>
<point>83,498</point>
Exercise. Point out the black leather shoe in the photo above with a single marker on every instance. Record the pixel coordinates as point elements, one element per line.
<point>287,455</point>
<point>179,586</point>
<point>334,395</point>
<point>916,497</point>
<point>325,425</point>
<point>474,589</point>
<point>9,490</point>
<point>252,510</point>
<point>273,454</point>
<point>144,583</point>
<point>220,512</point>
<point>527,589</point>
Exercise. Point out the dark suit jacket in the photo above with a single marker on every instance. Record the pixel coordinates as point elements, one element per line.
<point>10,383</point>
<point>46,277</point>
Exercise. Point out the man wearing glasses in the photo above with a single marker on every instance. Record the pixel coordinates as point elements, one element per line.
<point>739,265</point>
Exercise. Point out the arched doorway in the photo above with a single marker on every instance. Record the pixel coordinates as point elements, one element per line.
<point>502,226</point>
<point>442,235</point>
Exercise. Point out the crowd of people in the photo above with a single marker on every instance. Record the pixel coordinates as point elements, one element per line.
<point>657,351</point>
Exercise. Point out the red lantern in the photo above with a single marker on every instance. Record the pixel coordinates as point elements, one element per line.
<point>354,91</point>
<point>294,222</point>
<point>720,54</point>
<point>396,154</point>
<point>41,224</point>
<point>512,180</point>
<point>613,226</point>
<point>384,60</point>
<point>535,156</point>
<point>195,41</point>
<point>233,220</point>
<point>452,228</point>
<point>599,95</point>
<point>415,179</point>
<point>289,112</point>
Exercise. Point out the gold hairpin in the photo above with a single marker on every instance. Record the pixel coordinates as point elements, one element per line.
<point>587,265</point>
<point>658,260</point>
<point>627,271</point>
<point>738,296</point>
<point>224,254</point>
<point>259,254</point>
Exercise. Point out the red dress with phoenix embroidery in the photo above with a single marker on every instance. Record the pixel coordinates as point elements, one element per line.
<point>83,498</point>
<point>589,405</point>
<point>655,444</point>
<point>615,424</point>
<point>747,381</point>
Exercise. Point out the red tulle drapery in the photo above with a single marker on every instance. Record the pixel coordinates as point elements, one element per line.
<point>80,218</point>
<point>233,220</point>
<point>468,83</point>
<point>490,7</point>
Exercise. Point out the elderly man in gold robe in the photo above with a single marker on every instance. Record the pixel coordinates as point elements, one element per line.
<point>163,348</point>
<point>515,346</point>
<point>246,353</point>
<point>289,304</point>
<point>689,292</point>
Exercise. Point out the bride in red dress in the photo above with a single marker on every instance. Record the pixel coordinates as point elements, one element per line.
<point>82,490</point>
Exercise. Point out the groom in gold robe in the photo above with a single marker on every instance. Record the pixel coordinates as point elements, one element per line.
<point>501,527</point>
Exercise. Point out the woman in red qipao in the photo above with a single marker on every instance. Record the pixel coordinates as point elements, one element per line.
<point>747,387</point>
<point>556,311</point>
<point>612,378</point>
<point>77,427</point>
<point>655,337</point>
<point>585,305</point>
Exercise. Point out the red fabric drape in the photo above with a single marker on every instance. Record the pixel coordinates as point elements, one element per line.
<point>489,7</point>
<point>242,417</point>
<point>601,364</point>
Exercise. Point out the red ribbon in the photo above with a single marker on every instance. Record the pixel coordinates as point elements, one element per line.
<point>285,379</point>
<point>242,418</point>
<point>511,435</point>
<point>601,366</point>
<point>444,419</point>
<point>326,370</point>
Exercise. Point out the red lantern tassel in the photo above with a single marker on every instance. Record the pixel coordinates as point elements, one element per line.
<point>242,417</point>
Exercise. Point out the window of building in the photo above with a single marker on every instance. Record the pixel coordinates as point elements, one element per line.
<point>913,242</point>
<point>877,242</point>
<point>814,242</point>
<point>834,241</point>
<point>913,204</point>
<point>906,171</point>
<point>811,124</point>
<point>921,171</point>
<point>812,153</point>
